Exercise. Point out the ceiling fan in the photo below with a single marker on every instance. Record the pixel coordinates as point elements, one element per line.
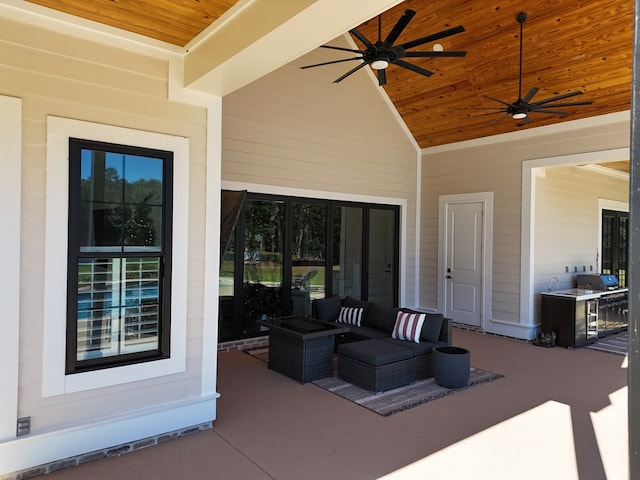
<point>383,52</point>
<point>521,108</point>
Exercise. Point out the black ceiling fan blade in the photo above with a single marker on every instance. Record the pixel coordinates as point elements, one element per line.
<point>499,118</point>
<point>486,114</point>
<point>568,104</point>
<point>495,109</point>
<point>497,100</point>
<point>430,38</point>
<point>353,70</point>
<point>435,54</point>
<point>362,38</point>
<point>550,112</point>
<point>530,94</point>
<point>332,61</point>
<point>382,77</point>
<point>413,68</point>
<point>342,49</point>
<point>559,97</point>
<point>400,25</point>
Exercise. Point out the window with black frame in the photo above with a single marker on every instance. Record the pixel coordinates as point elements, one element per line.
<point>119,257</point>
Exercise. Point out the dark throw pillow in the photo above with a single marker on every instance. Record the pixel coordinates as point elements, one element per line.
<point>382,318</point>
<point>431,327</point>
<point>327,309</point>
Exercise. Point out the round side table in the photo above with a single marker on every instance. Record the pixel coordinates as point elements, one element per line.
<point>451,366</point>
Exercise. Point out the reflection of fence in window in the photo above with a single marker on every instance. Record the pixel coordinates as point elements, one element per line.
<point>142,302</point>
<point>111,319</point>
<point>95,300</point>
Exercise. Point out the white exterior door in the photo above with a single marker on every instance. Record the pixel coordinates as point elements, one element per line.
<point>463,262</point>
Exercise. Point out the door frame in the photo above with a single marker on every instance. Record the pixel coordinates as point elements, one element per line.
<point>444,201</point>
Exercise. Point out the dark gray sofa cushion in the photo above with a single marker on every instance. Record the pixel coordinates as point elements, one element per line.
<point>365,333</point>
<point>422,348</point>
<point>327,309</point>
<point>349,301</point>
<point>382,318</point>
<point>374,352</point>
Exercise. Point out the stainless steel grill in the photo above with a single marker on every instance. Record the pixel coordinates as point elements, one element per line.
<point>603,281</point>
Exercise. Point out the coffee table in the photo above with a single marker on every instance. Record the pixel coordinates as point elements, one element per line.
<point>302,347</point>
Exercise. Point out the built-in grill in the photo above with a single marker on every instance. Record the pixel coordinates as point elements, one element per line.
<point>613,303</point>
<point>604,281</point>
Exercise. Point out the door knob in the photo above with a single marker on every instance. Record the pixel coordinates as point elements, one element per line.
<point>448,276</point>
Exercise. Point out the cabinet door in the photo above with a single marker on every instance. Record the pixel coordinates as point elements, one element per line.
<point>580,332</point>
<point>558,315</point>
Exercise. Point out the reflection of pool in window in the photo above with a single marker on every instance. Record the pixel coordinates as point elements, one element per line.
<point>116,317</point>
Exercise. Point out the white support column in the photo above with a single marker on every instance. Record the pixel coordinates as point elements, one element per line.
<point>212,253</point>
<point>10,184</point>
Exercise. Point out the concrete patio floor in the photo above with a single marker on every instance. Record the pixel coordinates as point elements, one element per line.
<point>557,414</point>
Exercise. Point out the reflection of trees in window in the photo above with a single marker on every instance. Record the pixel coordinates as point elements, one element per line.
<point>133,221</point>
<point>309,231</point>
<point>263,232</point>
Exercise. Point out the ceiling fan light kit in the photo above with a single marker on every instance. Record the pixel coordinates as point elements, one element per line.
<point>380,64</point>
<point>382,53</point>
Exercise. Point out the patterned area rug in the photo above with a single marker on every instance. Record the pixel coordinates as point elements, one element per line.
<point>402,398</point>
<point>261,353</point>
<point>392,401</point>
<point>617,344</point>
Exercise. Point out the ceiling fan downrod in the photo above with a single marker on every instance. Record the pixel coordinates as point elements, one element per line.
<point>519,115</point>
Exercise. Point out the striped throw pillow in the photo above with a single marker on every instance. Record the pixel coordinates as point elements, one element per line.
<point>350,316</point>
<point>408,326</point>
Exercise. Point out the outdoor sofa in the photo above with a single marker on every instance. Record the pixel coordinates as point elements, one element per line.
<point>372,324</point>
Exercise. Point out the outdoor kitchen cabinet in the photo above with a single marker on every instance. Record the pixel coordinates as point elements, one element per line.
<point>572,316</point>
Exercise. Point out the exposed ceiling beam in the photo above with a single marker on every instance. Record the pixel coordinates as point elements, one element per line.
<point>272,33</point>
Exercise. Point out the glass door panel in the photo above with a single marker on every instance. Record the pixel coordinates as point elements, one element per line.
<point>262,262</point>
<point>382,256</point>
<point>309,248</point>
<point>347,251</point>
<point>226,290</point>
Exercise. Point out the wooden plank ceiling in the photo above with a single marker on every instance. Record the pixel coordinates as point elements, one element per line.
<point>568,45</point>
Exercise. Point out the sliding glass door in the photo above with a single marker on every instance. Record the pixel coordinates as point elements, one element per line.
<point>295,250</point>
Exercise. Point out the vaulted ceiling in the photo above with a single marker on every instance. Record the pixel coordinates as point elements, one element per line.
<point>568,45</point>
